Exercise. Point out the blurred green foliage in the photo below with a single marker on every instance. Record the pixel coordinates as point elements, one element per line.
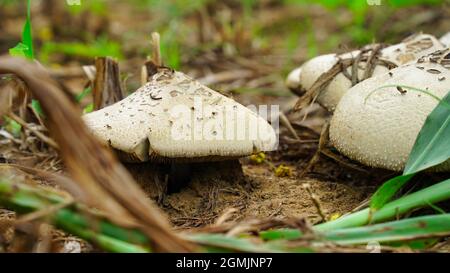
<point>168,19</point>
<point>170,49</point>
<point>171,9</point>
<point>12,126</point>
<point>360,32</point>
<point>100,47</point>
<point>97,7</point>
<point>25,47</point>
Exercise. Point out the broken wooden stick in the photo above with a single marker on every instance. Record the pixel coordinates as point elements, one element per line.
<point>107,85</point>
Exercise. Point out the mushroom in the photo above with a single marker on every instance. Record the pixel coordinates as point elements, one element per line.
<point>408,51</point>
<point>378,126</point>
<point>175,119</point>
<point>445,40</point>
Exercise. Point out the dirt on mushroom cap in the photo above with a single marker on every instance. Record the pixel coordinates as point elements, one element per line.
<point>409,50</point>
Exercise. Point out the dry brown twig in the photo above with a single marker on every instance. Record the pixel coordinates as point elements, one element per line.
<point>50,142</point>
<point>323,140</point>
<point>107,87</point>
<point>368,54</point>
<point>315,201</point>
<point>151,66</point>
<point>156,49</point>
<point>285,121</point>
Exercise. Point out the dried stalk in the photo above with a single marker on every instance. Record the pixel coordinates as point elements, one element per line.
<point>107,85</point>
<point>50,142</point>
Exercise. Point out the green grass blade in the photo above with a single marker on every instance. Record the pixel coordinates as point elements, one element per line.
<point>387,191</point>
<point>220,242</point>
<point>27,37</point>
<point>403,230</point>
<point>12,126</point>
<point>89,108</point>
<point>25,199</point>
<point>280,234</point>
<point>25,48</point>
<point>19,50</point>
<point>82,95</point>
<point>108,243</point>
<point>430,195</point>
<point>432,146</point>
<point>423,198</point>
<point>36,105</point>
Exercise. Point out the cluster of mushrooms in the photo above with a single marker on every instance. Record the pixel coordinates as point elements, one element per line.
<point>375,121</point>
<point>174,119</point>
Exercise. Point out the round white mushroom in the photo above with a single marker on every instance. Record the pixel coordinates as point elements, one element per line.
<point>408,51</point>
<point>378,127</point>
<point>175,118</point>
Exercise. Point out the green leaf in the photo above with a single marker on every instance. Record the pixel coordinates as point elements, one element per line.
<point>13,127</point>
<point>432,145</point>
<point>83,94</point>
<point>27,37</point>
<point>385,193</point>
<point>19,50</point>
<point>25,48</point>
<point>36,105</point>
<point>89,108</point>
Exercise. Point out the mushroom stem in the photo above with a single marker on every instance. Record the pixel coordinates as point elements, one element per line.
<point>180,175</point>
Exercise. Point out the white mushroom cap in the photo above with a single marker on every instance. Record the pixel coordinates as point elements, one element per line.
<point>379,128</point>
<point>332,94</point>
<point>174,117</point>
<point>445,40</point>
<point>407,51</point>
<point>293,78</point>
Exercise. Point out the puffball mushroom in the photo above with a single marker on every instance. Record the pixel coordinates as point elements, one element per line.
<point>174,118</point>
<point>378,126</point>
<point>408,51</point>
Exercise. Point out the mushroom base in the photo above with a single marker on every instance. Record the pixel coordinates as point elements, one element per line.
<point>159,179</point>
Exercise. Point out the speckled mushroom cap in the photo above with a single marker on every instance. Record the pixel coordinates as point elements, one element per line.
<point>379,128</point>
<point>174,117</point>
<point>408,51</point>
